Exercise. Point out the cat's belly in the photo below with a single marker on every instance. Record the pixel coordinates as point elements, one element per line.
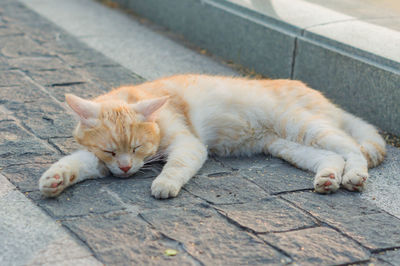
<point>239,139</point>
<point>232,129</point>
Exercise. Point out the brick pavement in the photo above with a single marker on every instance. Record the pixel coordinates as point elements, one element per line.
<point>256,210</point>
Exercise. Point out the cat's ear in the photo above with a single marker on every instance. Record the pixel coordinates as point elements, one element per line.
<point>149,108</point>
<point>87,111</point>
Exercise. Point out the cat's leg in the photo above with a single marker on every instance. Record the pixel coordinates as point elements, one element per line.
<point>186,155</point>
<point>373,146</point>
<point>327,165</point>
<point>328,137</point>
<point>71,169</point>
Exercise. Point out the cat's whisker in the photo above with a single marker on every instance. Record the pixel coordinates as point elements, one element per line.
<point>151,162</point>
<point>150,168</point>
<point>154,160</point>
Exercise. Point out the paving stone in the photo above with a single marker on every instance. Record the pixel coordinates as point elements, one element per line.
<point>280,177</point>
<point>136,192</point>
<point>5,114</point>
<point>3,64</point>
<point>86,90</point>
<point>11,78</point>
<point>6,117</point>
<point>333,207</point>
<point>268,215</point>
<point>89,197</point>
<point>225,189</point>
<point>40,30</point>
<point>5,186</point>
<point>16,46</point>
<point>374,231</point>
<point>16,101</point>
<point>36,63</point>
<point>318,246</point>
<point>368,224</point>
<point>19,92</point>
<point>74,52</point>
<point>213,167</point>
<point>46,123</point>
<point>45,117</point>
<point>42,115</point>
<point>373,262</point>
<point>14,142</point>
<point>392,256</point>
<point>26,176</point>
<point>125,239</point>
<point>9,30</point>
<point>55,42</point>
<point>19,15</point>
<point>254,162</point>
<point>66,145</point>
<point>211,239</point>
<point>47,120</point>
<point>31,159</point>
<point>57,77</point>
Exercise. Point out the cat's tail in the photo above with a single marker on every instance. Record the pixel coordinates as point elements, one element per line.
<point>372,144</point>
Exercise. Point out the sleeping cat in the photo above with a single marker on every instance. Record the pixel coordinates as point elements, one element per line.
<point>186,117</point>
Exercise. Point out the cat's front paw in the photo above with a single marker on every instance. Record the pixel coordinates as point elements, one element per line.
<point>55,180</point>
<point>163,188</point>
<point>326,181</point>
<point>355,180</point>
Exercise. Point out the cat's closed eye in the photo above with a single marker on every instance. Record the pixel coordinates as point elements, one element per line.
<point>110,152</point>
<point>135,148</point>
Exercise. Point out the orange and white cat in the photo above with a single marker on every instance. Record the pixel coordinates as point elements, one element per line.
<point>185,117</point>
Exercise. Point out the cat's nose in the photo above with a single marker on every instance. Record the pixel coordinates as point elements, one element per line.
<point>125,168</point>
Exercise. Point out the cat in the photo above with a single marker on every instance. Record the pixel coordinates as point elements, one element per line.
<point>186,117</point>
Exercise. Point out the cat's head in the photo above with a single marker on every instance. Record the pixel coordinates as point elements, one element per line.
<point>121,135</point>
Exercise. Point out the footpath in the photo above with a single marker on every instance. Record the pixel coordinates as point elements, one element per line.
<point>236,211</point>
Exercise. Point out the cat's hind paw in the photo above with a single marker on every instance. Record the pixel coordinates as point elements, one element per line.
<point>55,180</point>
<point>355,180</point>
<point>163,188</point>
<point>326,181</point>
